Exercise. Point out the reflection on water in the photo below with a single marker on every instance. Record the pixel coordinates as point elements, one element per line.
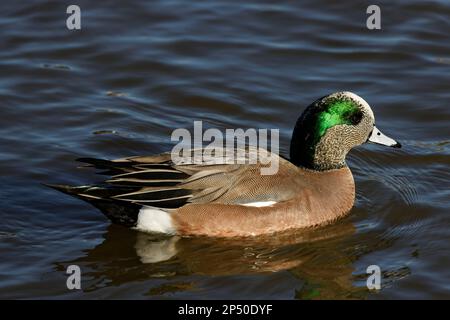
<point>320,261</point>
<point>317,258</point>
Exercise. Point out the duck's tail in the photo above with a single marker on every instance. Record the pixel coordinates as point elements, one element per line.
<point>121,212</point>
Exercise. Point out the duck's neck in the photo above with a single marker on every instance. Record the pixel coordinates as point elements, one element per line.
<point>312,153</point>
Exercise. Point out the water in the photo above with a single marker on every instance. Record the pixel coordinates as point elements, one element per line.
<point>137,70</point>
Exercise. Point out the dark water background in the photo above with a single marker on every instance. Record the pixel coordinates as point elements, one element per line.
<point>139,69</point>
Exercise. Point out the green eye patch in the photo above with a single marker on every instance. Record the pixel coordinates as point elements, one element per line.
<point>337,112</point>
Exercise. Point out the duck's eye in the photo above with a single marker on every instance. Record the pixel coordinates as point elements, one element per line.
<point>378,134</point>
<point>355,117</point>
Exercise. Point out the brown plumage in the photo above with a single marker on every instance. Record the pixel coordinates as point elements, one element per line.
<point>303,199</point>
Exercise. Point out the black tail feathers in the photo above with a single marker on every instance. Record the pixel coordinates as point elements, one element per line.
<point>120,212</point>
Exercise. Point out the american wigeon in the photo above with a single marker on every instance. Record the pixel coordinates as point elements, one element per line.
<point>314,187</point>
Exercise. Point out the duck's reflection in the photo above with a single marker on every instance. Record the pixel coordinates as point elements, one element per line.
<point>152,250</point>
<point>317,257</point>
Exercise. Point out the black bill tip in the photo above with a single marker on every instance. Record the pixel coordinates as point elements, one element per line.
<point>397,145</point>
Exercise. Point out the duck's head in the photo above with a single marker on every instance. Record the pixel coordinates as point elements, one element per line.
<point>330,127</point>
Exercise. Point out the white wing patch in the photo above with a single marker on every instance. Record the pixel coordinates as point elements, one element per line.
<point>155,221</point>
<point>259,204</point>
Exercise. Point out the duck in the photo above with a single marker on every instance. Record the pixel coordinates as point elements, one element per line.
<point>311,188</point>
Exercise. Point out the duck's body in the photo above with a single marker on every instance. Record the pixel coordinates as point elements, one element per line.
<point>303,199</point>
<point>154,194</point>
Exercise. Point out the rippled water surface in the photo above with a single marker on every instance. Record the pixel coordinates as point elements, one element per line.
<point>139,69</point>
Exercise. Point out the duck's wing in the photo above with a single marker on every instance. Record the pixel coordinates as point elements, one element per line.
<point>157,181</point>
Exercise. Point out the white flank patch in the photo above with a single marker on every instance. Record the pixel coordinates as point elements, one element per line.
<point>155,221</point>
<point>259,204</point>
